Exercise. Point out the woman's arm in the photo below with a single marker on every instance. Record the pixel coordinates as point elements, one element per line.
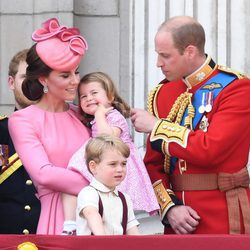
<point>34,157</point>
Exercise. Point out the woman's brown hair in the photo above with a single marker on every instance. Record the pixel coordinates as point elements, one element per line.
<point>31,86</point>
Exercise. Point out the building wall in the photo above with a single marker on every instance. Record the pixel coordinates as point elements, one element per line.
<point>120,34</point>
<point>18,19</point>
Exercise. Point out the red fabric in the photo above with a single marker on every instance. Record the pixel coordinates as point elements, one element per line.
<point>223,148</point>
<point>157,242</point>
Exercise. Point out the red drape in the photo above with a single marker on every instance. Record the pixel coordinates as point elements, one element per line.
<point>152,242</point>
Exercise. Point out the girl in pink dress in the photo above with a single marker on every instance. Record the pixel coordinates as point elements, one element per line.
<point>106,112</point>
<point>47,133</point>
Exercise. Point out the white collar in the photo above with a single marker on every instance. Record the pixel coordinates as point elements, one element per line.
<point>101,187</point>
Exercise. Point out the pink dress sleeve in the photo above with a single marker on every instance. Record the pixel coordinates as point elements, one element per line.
<point>45,142</point>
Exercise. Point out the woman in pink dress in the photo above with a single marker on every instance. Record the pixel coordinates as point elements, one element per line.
<point>47,133</point>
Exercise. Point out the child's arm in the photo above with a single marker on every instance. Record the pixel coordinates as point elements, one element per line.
<point>69,209</point>
<point>133,231</point>
<point>69,206</point>
<point>94,220</point>
<point>102,125</point>
<point>132,225</point>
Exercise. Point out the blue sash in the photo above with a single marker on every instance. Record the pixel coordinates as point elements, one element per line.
<point>220,81</point>
<point>216,84</point>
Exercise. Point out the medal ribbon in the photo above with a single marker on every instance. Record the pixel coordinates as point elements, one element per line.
<point>220,81</point>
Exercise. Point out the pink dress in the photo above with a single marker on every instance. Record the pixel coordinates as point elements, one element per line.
<point>137,183</point>
<point>45,141</point>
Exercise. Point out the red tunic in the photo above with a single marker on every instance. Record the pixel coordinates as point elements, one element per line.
<point>223,148</point>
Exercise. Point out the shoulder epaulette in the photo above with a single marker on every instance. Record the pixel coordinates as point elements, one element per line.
<point>231,71</point>
<point>2,117</point>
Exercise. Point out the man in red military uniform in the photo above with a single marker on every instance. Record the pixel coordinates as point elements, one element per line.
<point>198,147</point>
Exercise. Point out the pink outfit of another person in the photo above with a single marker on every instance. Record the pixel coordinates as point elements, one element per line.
<point>45,141</point>
<point>136,183</point>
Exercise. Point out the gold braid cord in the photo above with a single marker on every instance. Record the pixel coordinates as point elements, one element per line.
<point>176,114</point>
<point>151,105</point>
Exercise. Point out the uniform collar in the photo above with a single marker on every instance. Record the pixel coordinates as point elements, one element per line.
<point>206,69</point>
<point>101,187</point>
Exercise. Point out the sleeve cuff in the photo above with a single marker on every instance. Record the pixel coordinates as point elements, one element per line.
<point>169,132</point>
<point>165,197</point>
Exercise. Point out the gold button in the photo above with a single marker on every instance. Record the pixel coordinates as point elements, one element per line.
<point>164,126</point>
<point>26,231</point>
<point>27,207</point>
<point>29,182</point>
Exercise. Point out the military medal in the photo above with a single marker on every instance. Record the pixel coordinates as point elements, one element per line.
<point>4,154</point>
<point>209,102</point>
<point>202,107</point>
<point>206,103</point>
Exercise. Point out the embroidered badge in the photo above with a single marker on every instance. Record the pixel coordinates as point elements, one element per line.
<point>200,76</point>
<point>212,86</point>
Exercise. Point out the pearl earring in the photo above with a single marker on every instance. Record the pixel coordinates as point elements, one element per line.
<point>45,89</point>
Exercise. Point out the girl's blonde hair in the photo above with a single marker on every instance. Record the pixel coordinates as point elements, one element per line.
<point>111,91</point>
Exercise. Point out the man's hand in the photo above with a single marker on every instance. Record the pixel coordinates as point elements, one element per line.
<point>183,219</point>
<point>142,120</point>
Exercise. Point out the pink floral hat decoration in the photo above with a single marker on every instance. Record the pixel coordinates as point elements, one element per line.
<point>59,47</point>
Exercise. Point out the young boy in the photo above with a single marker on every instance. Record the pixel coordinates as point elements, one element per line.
<point>101,209</point>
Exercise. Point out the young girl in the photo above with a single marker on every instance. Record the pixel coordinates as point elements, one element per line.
<point>101,208</point>
<point>105,112</point>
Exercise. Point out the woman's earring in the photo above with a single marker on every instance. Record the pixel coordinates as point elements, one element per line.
<point>45,89</point>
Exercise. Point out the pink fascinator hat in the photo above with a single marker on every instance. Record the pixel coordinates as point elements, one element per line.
<point>59,47</point>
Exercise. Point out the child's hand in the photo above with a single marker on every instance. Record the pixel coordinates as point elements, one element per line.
<point>102,110</point>
<point>102,125</point>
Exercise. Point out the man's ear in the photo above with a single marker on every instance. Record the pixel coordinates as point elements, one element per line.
<point>11,81</point>
<point>191,51</point>
<point>92,167</point>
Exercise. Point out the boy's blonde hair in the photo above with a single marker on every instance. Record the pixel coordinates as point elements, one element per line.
<point>96,147</point>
